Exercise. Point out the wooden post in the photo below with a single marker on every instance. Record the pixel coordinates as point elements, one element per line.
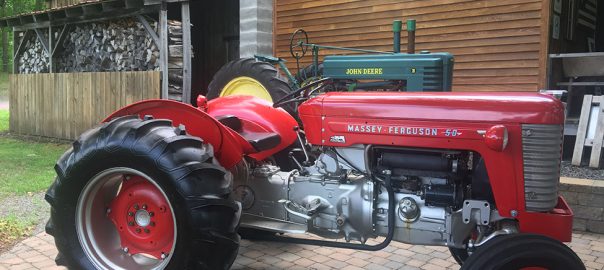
<point>51,62</point>
<point>163,49</point>
<point>186,47</point>
<point>15,48</point>
<point>582,130</point>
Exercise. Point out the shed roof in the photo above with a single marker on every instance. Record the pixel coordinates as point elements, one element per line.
<point>84,11</point>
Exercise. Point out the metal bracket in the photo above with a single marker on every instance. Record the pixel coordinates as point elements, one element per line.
<point>471,208</point>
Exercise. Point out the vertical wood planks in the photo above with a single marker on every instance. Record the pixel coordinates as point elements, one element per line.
<point>63,105</point>
<point>582,130</point>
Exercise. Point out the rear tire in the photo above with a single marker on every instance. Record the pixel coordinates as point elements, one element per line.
<point>460,255</point>
<point>266,82</point>
<point>519,251</point>
<point>98,171</point>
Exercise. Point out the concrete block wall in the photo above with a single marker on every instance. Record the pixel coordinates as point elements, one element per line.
<point>256,27</point>
<point>586,199</point>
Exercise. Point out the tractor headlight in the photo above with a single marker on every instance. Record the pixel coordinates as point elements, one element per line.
<point>497,137</point>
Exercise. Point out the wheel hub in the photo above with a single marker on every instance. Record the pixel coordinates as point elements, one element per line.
<point>142,218</point>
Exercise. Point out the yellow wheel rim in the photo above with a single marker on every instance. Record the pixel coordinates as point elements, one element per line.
<point>246,86</point>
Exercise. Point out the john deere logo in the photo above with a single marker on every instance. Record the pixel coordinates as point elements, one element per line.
<point>364,71</point>
<point>413,70</point>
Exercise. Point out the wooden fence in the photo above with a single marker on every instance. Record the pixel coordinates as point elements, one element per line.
<point>63,105</point>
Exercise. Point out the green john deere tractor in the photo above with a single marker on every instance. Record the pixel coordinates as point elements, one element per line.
<point>371,71</point>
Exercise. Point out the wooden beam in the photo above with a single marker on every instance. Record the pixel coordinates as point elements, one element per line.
<point>21,46</point>
<point>59,42</point>
<point>74,12</point>
<point>26,19</point>
<point>149,29</point>
<point>163,49</point>
<point>116,14</point>
<point>57,15</point>
<point>93,9</point>
<point>157,2</point>
<point>596,149</point>
<point>186,47</point>
<point>42,40</point>
<point>582,130</point>
<point>113,5</point>
<point>135,3</point>
<point>51,62</point>
<point>42,17</point>
<point>15,70</point>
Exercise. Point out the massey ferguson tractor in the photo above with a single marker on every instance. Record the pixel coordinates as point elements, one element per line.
<point>165,185</point>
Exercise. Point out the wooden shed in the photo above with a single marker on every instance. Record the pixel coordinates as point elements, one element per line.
<point>78,60</point>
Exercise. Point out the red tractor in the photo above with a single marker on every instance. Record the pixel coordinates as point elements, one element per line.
<point>165,185</point>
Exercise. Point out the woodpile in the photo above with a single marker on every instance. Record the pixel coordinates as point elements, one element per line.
<point>34,59</point>
<point>121,45</point>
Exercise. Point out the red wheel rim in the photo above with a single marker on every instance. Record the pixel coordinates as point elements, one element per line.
<point>124,220</point>
<point>142,217</point>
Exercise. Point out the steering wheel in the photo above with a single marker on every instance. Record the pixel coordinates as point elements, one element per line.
<point>298,40</point>
<point>292,97</point>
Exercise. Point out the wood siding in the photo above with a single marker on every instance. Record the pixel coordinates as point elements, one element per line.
<point>499,45</point>
<point>63,105</point>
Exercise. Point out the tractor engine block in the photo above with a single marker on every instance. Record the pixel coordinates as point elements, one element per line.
<point>334,197</point>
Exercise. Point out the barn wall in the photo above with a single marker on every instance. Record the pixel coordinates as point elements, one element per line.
<point>498,45</point>
<point>63,105</point>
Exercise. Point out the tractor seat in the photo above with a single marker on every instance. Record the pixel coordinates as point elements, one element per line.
<point>261,141</point>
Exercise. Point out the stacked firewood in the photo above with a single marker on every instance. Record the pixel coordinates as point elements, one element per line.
<point>34,58</point>
<point>121,45</point>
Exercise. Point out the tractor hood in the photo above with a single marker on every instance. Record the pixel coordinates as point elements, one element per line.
<point>500,107</point>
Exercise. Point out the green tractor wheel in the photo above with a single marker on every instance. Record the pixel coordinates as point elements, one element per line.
<point>248,76</point>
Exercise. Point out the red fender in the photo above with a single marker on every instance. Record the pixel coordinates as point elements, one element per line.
<point>229,146</point>
<point>257,116</point>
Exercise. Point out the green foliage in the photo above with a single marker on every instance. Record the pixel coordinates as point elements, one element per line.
<point>25,166</point>
<point>12,229</point>
<point>10,8</point>
<point>3,88</point>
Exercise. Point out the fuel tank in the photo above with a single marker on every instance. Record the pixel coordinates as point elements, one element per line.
<point>344,118</point>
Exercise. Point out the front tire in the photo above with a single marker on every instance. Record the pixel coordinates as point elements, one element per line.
<point>518,251</point>
<point>142,194</point>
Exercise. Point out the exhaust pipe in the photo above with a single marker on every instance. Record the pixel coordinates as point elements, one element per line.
<point>397,26</point>
<point>410,36</point>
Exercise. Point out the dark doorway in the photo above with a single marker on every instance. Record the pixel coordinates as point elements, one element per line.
<point>215,39</point>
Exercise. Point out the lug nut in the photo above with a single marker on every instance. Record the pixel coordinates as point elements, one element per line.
<point>130,223</point>
<point>152,223</point>
<point>136,207</point>
<point>130,214</point>
<point>147,231</point>
<point>145,206</point>
<point>138,230</point>
<point>151,214</point>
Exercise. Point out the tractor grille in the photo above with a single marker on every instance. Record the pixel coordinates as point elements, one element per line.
<point>542,148</point>
<point>433,78</point>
